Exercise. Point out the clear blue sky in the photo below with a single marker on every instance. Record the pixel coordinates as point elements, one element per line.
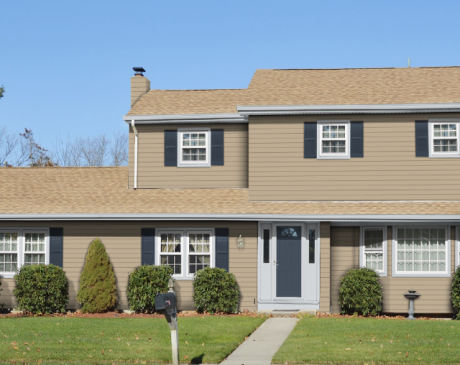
<point>66,65</point>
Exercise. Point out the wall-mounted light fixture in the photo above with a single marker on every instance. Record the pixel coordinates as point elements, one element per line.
<point>240,241</point>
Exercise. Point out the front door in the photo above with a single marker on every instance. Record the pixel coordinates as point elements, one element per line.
<point>289,261</point>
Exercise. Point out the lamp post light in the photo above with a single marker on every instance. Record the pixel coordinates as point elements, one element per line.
<point>411,296</point>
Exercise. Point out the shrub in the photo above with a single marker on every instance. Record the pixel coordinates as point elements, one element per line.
<point>41,289</point>
<point>215,290</point>
<point>456,292</point>
<point>360,292</point>
<point>144,282</point>
<point>98,290</point>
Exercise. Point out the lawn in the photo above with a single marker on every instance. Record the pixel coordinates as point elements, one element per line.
<point>371,341</point>
<point>49,340</point>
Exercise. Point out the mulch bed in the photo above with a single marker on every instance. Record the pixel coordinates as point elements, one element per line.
<point>120,314</point>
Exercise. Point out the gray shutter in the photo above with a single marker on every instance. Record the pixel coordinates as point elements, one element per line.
<point>222,257</point>
<point>171,148</point>
<point>148,246</point>
<point>310,143</point>
<point>357,139</point>
<point>56,246</point>
<point>217,147</point>
<point>421,138</point>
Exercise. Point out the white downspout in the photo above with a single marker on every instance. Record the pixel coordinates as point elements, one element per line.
<point>135,153</point>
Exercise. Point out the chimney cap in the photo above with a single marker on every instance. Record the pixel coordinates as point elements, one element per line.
<point>139,71</point>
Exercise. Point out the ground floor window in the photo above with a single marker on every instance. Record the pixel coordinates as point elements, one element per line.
<point>373,249</point>
<point>22,247</point>
<point>421,251</point>
<point>186,251</point>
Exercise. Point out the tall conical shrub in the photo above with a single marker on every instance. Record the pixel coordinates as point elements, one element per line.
<point>98,291</point>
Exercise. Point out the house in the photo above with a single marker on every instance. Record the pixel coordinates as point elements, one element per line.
<point>288,184</point>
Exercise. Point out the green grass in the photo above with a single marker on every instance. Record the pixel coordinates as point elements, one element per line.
<point>62,340</point>
<point>369,340</point>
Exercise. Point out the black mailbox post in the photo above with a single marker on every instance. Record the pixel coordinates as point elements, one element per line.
<point>166,304</point>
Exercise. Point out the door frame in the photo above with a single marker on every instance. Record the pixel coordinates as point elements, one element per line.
<point>310,292</point>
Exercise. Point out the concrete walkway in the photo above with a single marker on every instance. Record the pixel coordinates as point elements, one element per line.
<point>262,345</point>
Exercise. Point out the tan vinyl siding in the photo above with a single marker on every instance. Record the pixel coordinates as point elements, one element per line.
<point>325,267</point>
<point>435,292</point>
<point>344,257</point>
<point>152,173</point>
<point>122,241</point>
<point>388,171</point>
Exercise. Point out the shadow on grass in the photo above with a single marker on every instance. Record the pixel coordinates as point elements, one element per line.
<point>197,359</point>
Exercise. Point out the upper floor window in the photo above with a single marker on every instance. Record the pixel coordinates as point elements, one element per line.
<point>334,139</point>
<point>444,137</point>
<point>194,147</point>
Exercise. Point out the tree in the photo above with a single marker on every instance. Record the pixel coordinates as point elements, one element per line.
<point>98,290</point>
<point>2,91</point>
<point>37,155</point>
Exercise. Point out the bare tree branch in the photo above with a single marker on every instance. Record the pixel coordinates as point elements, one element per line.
<point>119,150</point>
<point>94,150</point>
<point>7,145</point>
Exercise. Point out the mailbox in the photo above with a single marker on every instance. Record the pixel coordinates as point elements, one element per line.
<point>166,301</point>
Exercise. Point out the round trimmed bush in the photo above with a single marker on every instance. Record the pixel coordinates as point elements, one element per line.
<point>144,282</point>
<point>456,292</point>
<point>360,292</point>
<point>215,290</point>
<point>41,289</point>
<point>98,290</point>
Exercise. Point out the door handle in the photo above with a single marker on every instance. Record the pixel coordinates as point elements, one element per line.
<point>275,263</point>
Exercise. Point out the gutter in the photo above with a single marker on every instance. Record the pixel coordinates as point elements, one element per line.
<point>352,218</point>
<point>135,152</point>
<point>186,118</point>
<point>247,110</point>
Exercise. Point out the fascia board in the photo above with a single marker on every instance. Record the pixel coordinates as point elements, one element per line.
<point>233,217</point>
<point>347,109</point>
<point>186,118</point>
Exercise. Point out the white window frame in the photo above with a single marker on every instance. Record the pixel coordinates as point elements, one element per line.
<point>420,274</point>
<point>333,156</point>
<point>180,162</point>
<point>457,247</point>
<point>21,231</point>
<point>431,137</point>
<point>185,275</point>
<point>384,250</point>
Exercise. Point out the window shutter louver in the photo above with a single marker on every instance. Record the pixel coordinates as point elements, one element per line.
<point>171,148</point>
<point>56,246</point>
<point>222,248</point>
<point>148,246</point>
<point>357,139</point>
<point>217,147</point>
<point>310,140</point>
<point>421,138</point>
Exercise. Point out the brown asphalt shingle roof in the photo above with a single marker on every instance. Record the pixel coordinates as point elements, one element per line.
<point>81,190</point>
<point>313,87</point>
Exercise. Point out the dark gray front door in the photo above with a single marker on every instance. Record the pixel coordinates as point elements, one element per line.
<point>289,261</point>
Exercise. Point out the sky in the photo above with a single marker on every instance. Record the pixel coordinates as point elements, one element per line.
<point>66,66</point>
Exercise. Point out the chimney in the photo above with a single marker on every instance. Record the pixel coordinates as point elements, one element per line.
<point>139,85</point>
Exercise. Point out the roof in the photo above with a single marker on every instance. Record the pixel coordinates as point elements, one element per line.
<point>103,190</point>
<point>356,86</point>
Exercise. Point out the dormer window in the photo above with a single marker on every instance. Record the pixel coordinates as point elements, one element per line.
<point>194,147</point>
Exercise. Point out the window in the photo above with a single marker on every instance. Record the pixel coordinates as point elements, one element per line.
<point>8,251</point>
<point>373,249</point>
<point>444,138</point>
<point>421,251</point>
<point>22,247</point>
<point>334,139</point>
<point>266,246</point>
<point>311,246</point>
<point>186,251</point>
<point>194,147</point>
